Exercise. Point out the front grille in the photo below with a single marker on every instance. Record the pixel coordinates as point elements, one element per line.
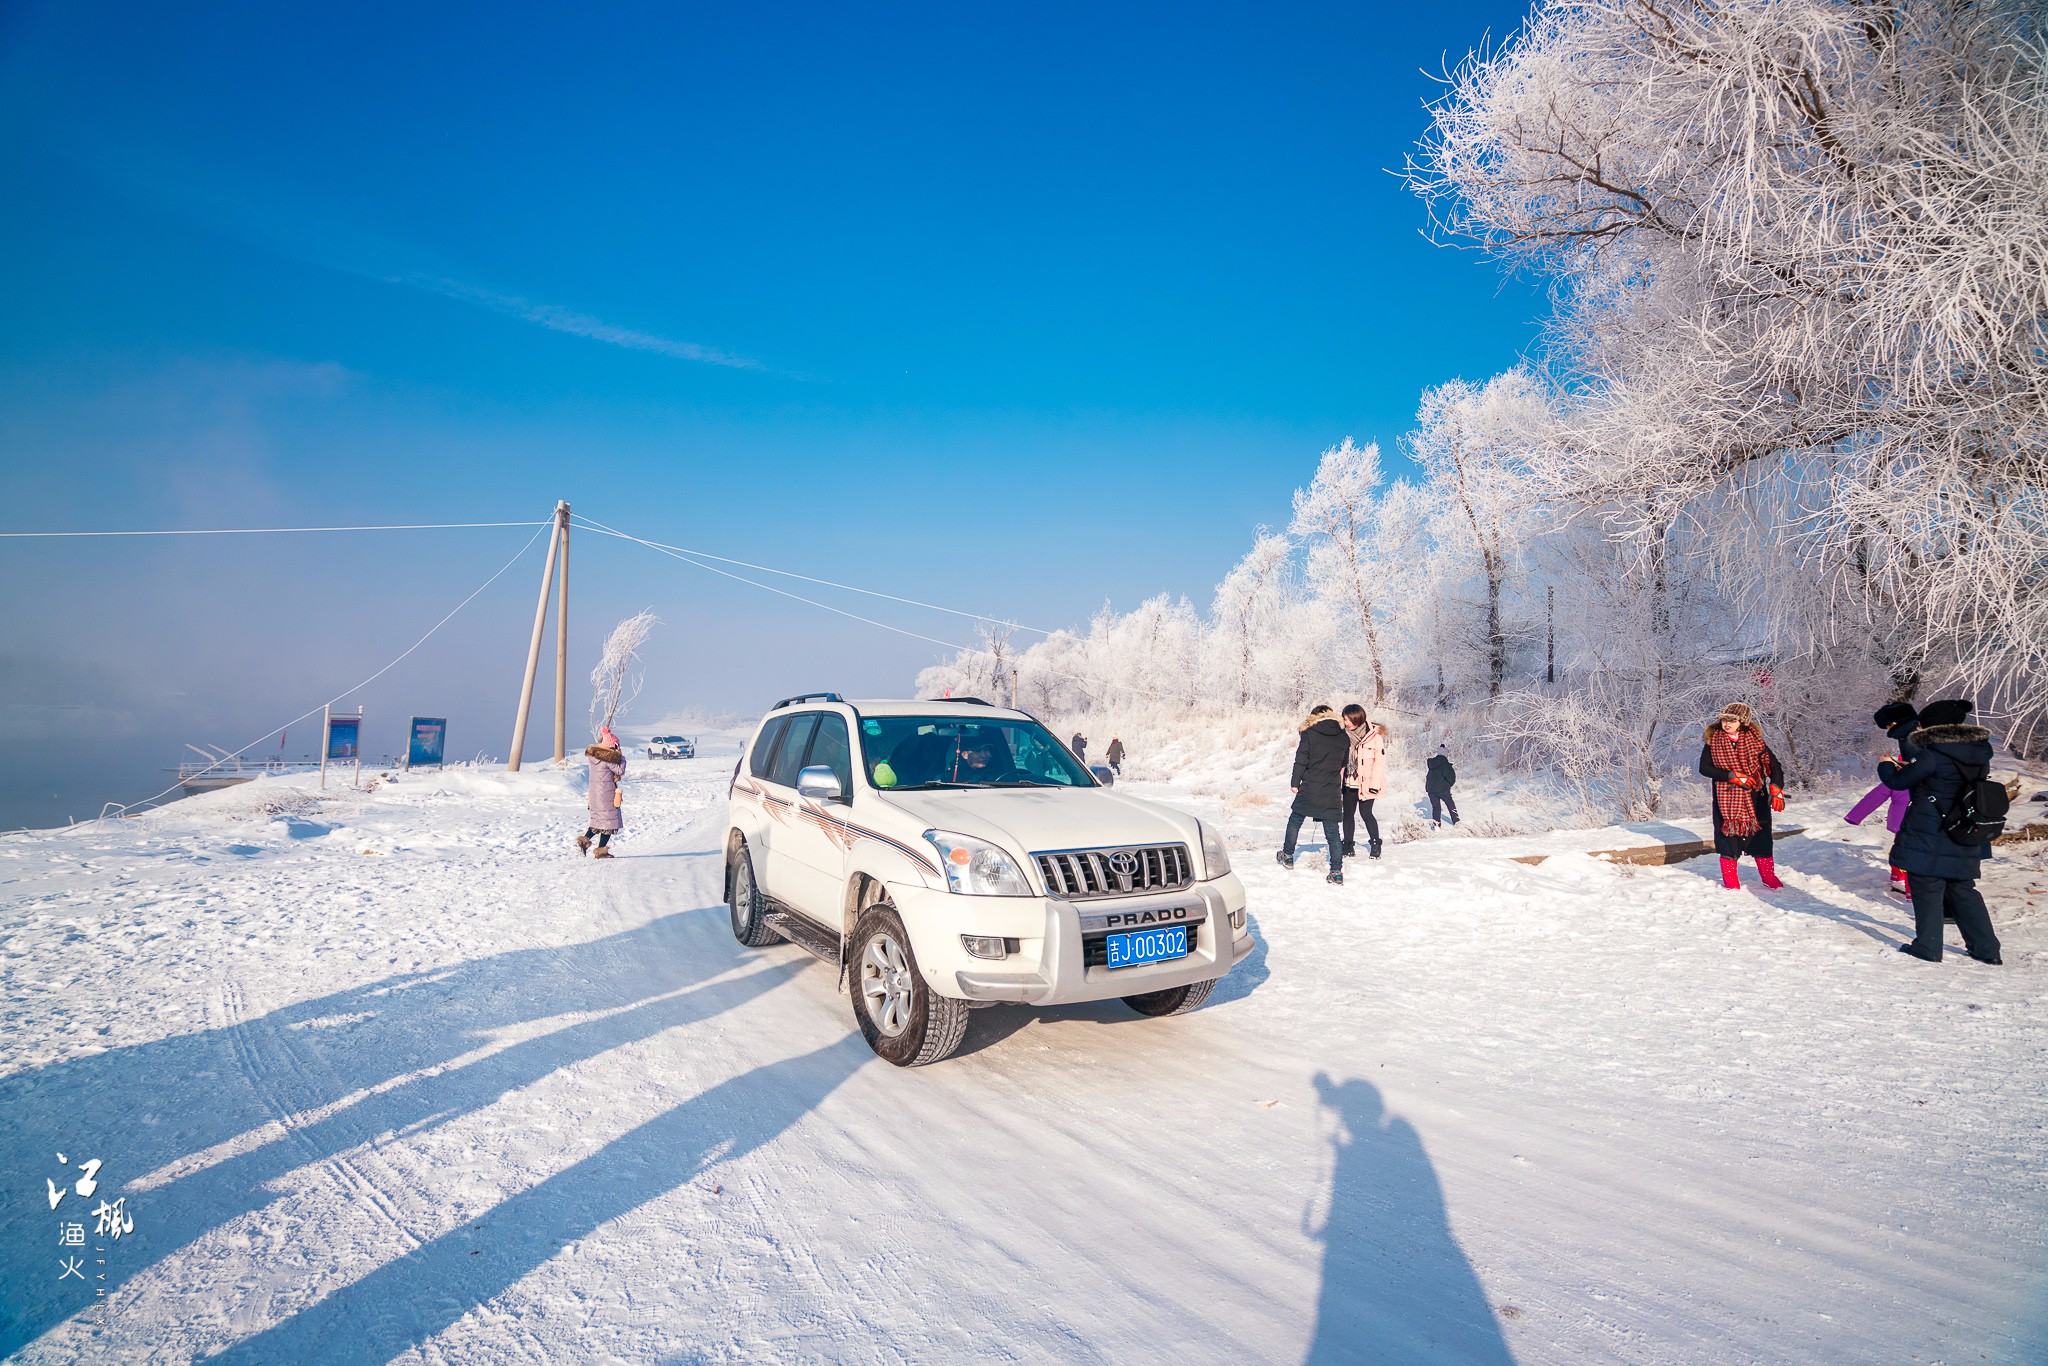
<point>1079,874</point>
<point>1095,947</point>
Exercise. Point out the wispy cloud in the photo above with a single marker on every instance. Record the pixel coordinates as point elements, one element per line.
<point>559,319</point>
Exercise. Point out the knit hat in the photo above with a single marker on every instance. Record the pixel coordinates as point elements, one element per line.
<point>1949,712</point>
<point>1891,713</point>
<point>607,738</point>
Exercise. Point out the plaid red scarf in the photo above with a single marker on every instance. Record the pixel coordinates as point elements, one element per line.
<point>1743,752</point>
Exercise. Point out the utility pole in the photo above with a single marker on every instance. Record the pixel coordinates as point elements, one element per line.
<point>562,637</point>
<point>540,623</point>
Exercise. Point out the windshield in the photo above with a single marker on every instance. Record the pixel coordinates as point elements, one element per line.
<point>913,752</point>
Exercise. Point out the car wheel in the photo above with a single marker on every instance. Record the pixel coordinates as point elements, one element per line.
<point>902,1018</point>
<point>1173,1000</point>
<point>749,923</point>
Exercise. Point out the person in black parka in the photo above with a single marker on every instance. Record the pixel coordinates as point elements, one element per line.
<point>1318,782</point>
<point>1941,756</point>
<point>1438,784</point>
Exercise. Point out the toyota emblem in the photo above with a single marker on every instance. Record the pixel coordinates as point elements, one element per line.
<point>1123,863</point>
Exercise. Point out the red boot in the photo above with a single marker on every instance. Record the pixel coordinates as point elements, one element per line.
<point>1766,871</point>
<point>1728,878</point>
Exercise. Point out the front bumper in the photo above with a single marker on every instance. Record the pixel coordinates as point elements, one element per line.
<point>1048,967</point>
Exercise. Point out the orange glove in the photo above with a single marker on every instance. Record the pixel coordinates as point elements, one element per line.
<point>1741,780</point>
<point>1777,799</point>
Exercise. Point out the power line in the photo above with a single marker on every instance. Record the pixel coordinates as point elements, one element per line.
<point>823,583</point>
<point>255,530</point>
<point>366,682</point>
<point>686,556</point>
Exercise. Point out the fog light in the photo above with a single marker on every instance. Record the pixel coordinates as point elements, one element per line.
<point>984,946</point>
<point>1237,920</point>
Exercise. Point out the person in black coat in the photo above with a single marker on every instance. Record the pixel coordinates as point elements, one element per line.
<point>1941,757</point>
<point>1441,778</point>
<point>1318,782</point>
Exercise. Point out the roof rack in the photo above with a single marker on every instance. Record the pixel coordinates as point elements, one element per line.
<point>977,701</point>
<point>807,697</point>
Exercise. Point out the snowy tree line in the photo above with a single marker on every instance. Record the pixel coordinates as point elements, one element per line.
<point>1785,440</point>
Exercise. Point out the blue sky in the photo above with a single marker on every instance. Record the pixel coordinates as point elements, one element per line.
<point>1022,310</point>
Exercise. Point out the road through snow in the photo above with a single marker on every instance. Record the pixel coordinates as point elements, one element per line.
<point>395,1074</point>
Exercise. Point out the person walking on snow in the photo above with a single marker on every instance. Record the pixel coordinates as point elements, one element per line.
<point>604,799</point>
<point>1442,778</point>
<point>1081,748</point>
<point>1897,720</point>
<point>1320,757</point>
<point>1115,755</point>
<point>1365,778</point>
<point>1940,759</point>
<point>1747,778</point>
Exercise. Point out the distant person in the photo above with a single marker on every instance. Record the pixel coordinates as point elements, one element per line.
<point>1115,755</point>
<point>1943,761</point>
<point>1081,748</point>
<point>1747,787</point>
<point>1365,778</point>
<point>1896,720</point>
<point>604,799</point>
<point>1318,782</point>
<point>1441,779</point>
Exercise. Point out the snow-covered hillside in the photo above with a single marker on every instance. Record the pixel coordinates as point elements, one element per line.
<point>395,1073</point>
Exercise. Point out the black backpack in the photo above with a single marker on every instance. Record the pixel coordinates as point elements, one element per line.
<point>1977,816</point>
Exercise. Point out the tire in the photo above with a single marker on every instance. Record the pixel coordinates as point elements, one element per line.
<point>902,1018</point>
<point>1173,1000</point>
<point>743,899</point>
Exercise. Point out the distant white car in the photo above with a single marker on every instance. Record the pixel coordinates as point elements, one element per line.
<point>951,854</point>
<point>671,747</point>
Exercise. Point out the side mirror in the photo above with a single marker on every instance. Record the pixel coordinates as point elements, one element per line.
<point>1103,774</point>
<point>819,783</point>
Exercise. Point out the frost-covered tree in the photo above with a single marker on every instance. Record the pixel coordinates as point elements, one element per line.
<point>1357,553</point>
<point>1801,261</point>
<point>1474,444</point>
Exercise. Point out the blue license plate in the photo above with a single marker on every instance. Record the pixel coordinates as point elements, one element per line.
<point>1147,946</point>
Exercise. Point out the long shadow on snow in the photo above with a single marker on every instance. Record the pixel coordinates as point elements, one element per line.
<point>143,1108</point>
<point>1396,1285</point>
<point>406,1301</point>
<point>1812,853</point>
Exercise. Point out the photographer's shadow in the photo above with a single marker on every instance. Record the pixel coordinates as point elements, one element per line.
<point>1396,1286</point>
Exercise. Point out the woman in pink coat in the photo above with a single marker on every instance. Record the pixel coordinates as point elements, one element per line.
<point>1365,778</point>
<point>607,771</point>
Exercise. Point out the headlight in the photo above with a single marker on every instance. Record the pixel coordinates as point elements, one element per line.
<point>976,867</point>
<point>1214,856</point>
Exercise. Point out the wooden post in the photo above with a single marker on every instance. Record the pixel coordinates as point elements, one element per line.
<point>562,638</point>
<point>540,622</point>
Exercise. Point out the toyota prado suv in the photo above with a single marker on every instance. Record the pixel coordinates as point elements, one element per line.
<point>953,854</point>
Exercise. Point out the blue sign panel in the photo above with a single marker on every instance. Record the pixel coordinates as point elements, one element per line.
<point>341,736</point>
<point>429,738</point>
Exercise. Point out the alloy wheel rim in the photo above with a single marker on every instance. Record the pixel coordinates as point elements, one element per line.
<point>885,984</point>
<point>742,895</point>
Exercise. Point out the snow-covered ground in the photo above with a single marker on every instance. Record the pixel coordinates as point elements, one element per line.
<point>395,1073</point>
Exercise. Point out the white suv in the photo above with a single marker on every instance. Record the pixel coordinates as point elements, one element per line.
<point>952,854</point>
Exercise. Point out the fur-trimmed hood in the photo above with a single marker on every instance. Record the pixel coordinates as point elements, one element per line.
<point>605,753</point>
<point>1948,735</point>
<point>1320,718</point>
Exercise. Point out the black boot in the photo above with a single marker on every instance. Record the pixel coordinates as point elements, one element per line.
<point>1349,849</point>
<point>1907,947</point>
<point>1373,849</point>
